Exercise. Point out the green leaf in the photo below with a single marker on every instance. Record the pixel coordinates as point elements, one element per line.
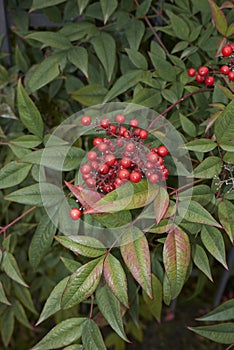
<point>70,264</point>
<point>164,69</point>
<point>207,169</point>
<point>20,314</point>
<point>201,261</point>
<point>201,145</point>
<point>224,312</point>
<point>13,174</point>
<point>227,146</point>
<point>83,245</point>
<point>82,283</point>
<point>64,333</point>
<point>188,126</point>
<point>218,18</point>
<point>53,39</point>
<point>108,7</point>
<point>110,308</point>
<point>155,305</point>
<point>41,241</point>
<point>90,95</point>
<point>116,279</point>
<point>29,114</point>
<point>161,203</point>
<point>230,30</point>
<point>176,258</point>
<point>126,197</point>
<point>82,4</point>
<point>33,194</point>
<point>105,48</point>
<point>136,255</point>
<point>26,141</point>
<point>40,4</point>
<point>24,296</point>
<point>56,157</point>
<point>44,73</point>
<point>225,213</point>
<point>10,266</point>
<point>224,126</point>
<point>143,8</point>
<point>194,212</point>
<point>79,57</point>
<point>220,333</point>
<point>53,302</point>
<point>137,58</point>
<point>201,194</point>
<point>91,336</point>
<point>134,33</point>
<point>179,26</point>
<point>74,347</point>
<point>124,83</point>
<point>212,239</point>
<point>7,326</point>
<point>3,298</point>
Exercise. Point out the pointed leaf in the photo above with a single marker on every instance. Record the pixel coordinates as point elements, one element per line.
<point>201,261</point>
<point>137,58</point>
<point>208,168</point>
<point>82,283</point>
<point>82,5</point>
<point>220,333</point>
<point>64,333</point>
<point>53,39</point>
<point>134,33</point>
<point>26,141</point>
<point>136,255</point>
<point>224,312</point>
<point>108,7</point>
<point>91,336</point>
<point>212,239</point>
<point>110,308</point>
<point>74,347</point>
<point>218,18</point>
<point>24,296</point>
<point>3,298</point>
<point>225,212</point>
<point>179,26</point>
<point>116,279</point>
<point>29,114</point>
<point>83,245</point>
<point>20,314</point>
<point>176,258</point>
<point>13,174</point>
<point>201,145</point>
<point>194,212</point>
<point>161,203</point>
<point>105,48</point>
<point>86,197</point>
<point>90,95</point>
<point>40,4</point>
<point>79,57</point>
<point>70,264</point>
<point>155,305</point>
<point>11,268</point>
<point>7,325</point>
<point>224,126</point>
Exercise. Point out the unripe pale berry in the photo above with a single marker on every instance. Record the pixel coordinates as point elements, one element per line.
<point>86,120</point>
<point>120,118</point>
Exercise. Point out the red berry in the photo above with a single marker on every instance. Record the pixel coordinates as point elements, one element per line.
<point>227,50</point>
<point>203,71</point>
<point>97,141</point>
<point>110,159</point>
<point>126,134</point>
<point>130,147</point>
<point>124,174</point>
<point>118,182</point>
<point>85,168</point>
<point>232,46</point>
<point>122,130</point>
<point>160,161</point>
<point>231,76</point>
<point>165,173</point>
<point>162,151</point>
<point>112,129</point>
<point>149,165</point>
<point>209,81</point>
<point>199,78</point>
<point>153,178</point>
<point>224,70</point>
<point>152,156</point>
<point>86,120</point>
<point>134,123</point>
<point>126,162</point>
<point>191,72</point>
<point>104,122</point>
<point>103,169</point>
<point>135,176</point>
<point>120,118</point>
<point>102,147</point>
<point>143,134</point>
<point>137,132</point>
<point>94,164</point>
<point>75,213</point>
<point>91,182</point>
<point>92,155</point>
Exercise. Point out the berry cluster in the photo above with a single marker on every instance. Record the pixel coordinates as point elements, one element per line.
<point>121,156</point>
<point>203,73</point>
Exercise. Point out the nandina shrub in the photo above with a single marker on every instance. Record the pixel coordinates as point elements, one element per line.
<point>116,169</point>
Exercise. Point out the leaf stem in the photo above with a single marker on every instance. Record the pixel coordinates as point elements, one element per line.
<point>3,229</point>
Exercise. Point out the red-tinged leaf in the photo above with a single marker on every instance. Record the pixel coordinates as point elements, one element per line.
<point>116,279</point>
<point>225,212</point>
<point>176,257</point>
<point>155,305</point>
<point>82,283</point>
<point>136,255</point>
<point>161,203</point>
<point>227,4</point>
<point>86,197</point>
<point>218,18</point>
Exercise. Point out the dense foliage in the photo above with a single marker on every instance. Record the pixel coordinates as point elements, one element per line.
<point>102,58</point>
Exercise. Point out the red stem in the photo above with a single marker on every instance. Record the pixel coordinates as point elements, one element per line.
<point>3,229</point>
